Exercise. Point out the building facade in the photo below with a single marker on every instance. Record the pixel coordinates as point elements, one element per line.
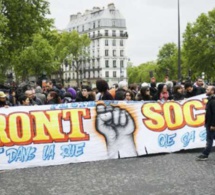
<point>107,59</point>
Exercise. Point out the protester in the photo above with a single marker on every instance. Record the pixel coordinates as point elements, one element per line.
<point>86,94</point>
<point>191,90</point>
<point>40,95</point>
<point>178,93</point>
<point>103,87</point>
<point>35,98</point>
<point>120,92</point>
<point>144,94</point>
<point>153,89</point>
<point>209,123</point>
<point>129,95</point>
<point>162,93</point>
<point>53,98</point>
<point>69,96</point>
<point>24,100</point>
<point>134,89</point>
<point>3,100</point>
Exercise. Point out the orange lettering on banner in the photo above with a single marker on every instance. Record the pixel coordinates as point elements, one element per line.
<point>154,118</point>
<point>4,138</point>
<point>192,119</point>
<point>173,115</point>
<point>48,126</point>
<point>75,118</point>
<point>20,129</point>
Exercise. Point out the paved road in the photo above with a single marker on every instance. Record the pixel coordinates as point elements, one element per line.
<point>176,173</point>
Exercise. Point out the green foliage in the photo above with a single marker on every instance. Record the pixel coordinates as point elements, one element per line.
<point>72,47</point>
<point>167,62</point>
<point>20,20</point>
<point>36,59</point>
<point>141,73</point>
<point>199,45</point>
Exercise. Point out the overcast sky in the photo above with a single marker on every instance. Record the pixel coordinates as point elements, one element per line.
<point>150,23</point>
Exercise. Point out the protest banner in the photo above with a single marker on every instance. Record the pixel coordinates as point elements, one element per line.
<point>90,131</point>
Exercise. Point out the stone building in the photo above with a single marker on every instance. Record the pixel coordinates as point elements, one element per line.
<point>107,59</point>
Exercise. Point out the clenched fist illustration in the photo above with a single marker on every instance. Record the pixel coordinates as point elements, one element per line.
<point>117,126</point>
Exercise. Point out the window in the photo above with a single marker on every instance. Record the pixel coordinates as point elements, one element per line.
<point>113,33</point>
<point>106,52</point>
<point>121,64</point>
<point>106,42</point>
<point>106,63</point>
<point>82,28</point>
<point>121,42</point>
<point>93,34</point>
<point>114,42</point>
<point>106,74</point>
<point>98,23</point>
<point>121,33</point>
<point>94,24</point>
<point>114,63</point>
<point>121,53</point>
<point>114,73</point>
<point>106,32</point>
<point>114,52</point>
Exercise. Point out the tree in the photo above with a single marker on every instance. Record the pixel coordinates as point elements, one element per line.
<point>167,61</point>
<point>36,59</point>
<point>199,45</point>
<point>24,19</point>
<point>141,73</point>
<point>3,50</point>
<point>72,49</point>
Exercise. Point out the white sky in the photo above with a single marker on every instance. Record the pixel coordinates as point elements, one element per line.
<point>150,23</point>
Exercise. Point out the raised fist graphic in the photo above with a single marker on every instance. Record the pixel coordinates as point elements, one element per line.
<point>117,126</point>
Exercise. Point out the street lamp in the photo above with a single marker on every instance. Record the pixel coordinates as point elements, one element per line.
<point>179,44</point>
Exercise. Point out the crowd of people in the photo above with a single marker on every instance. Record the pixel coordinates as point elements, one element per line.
<point>50,94</point>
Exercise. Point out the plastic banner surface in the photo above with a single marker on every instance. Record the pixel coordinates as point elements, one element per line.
<point>90,131</point>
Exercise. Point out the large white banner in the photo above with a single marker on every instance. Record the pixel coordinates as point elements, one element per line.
<point>90,131</point>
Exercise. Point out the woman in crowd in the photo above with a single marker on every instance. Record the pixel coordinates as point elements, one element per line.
<point>103,87</point>
<point>162,93</point>
<point>134,89</point>
<point>144,94</point>
<point>178,93</point>
<point>53,98</point>
<point>129,95</point>
<point>24,100</point>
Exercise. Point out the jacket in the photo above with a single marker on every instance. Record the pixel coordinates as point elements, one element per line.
<point>210,112</point>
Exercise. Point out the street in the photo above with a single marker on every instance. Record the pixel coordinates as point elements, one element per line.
<point>176,173</point>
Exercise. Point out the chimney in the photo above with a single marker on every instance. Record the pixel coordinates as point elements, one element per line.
<point>78,14</point>
<point>111,6</point>
<point>73,17</point>
<point>86,12</point>
<point>95,9</point>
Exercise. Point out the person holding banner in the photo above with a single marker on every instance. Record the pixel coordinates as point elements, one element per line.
<point>209,123</point>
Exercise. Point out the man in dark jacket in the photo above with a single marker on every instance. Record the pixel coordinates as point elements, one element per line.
<point>209,123</point>
<point>191,90</point>
<point>86,94</point>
